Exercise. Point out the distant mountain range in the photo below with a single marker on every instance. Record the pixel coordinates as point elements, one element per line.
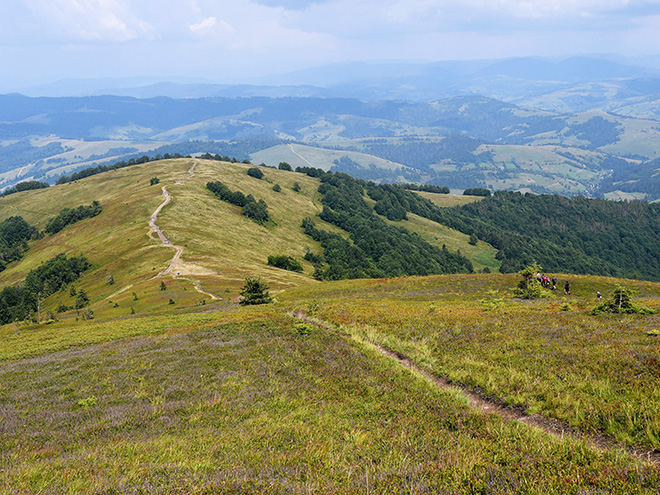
<point>572,84</point>
<point>575,126</point>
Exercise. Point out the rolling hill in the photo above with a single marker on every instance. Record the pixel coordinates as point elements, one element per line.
<point>464,141</point>
<point>435,383</point>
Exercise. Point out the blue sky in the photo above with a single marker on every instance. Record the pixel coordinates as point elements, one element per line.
<point>221,40</point>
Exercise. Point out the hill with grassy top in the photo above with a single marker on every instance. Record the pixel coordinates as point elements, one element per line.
<point>440,382</point>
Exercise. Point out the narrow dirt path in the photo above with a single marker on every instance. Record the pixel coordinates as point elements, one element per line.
<point>166,242</point>
<point>490,406</point>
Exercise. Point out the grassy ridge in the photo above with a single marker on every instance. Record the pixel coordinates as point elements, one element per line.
<point>595,373</point>
<point>221,247</point>
<point>215,237</point>
<point>262,407</point>
<point>217,398</point>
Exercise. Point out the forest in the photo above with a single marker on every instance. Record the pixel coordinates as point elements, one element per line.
<point>378,249</point>
<point>569,235</point>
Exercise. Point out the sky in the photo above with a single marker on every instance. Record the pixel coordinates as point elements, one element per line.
<point>221,40</point>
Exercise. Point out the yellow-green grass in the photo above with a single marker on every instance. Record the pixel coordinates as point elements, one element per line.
<point>447,200</point>
<point>596,373</point>
<point>261,407</point>
<point>228,245</point>
<point>221,246</point>
<point>116,241</point>
<point>482,254</point>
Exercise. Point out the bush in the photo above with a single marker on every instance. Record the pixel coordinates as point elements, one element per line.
<point>277,188</point>
<point>286,263</point>
<point>255,172</point>
<point>255,292</point>
<point>154,181</point>
<point>82,300</point>
<point>621,302</point>
<point>256,210</point>
<point>303,328</point>
<point>529,287</point>
<point>285,166</point>
<point>296,187</point>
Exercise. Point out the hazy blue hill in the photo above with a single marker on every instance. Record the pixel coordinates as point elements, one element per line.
<point>424,81</point>
<point>574,69</point>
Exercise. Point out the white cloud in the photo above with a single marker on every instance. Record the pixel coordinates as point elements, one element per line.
<point>87,20</point>
<point>296,33</point>
<point>205,25</point>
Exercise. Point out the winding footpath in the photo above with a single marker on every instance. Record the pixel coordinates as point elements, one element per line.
<point>490,406</point>
<point>166,242</point>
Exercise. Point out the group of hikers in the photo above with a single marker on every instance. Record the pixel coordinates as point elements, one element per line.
<point>551,283</point>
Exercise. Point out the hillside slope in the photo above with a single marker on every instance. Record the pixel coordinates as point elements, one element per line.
<point>216,247</point>
<point>220,246</point>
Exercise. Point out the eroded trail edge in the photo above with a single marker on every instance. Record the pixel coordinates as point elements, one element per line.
<point>488,405</point>
<point>166,242</point>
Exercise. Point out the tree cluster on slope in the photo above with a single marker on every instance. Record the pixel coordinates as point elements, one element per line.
<point>18,302</point>
<point>285,262</point>
<point>14,234</point>
<point>28,185</point>
<point>68,216</point>
<point>251,208</point>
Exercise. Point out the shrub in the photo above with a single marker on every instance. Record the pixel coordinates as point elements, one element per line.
<point>154,181</point>
<point>529,287</point>
<point>286,263</point>
<point>621,302</point>
<point>88,401</point>
<point>255,292</point>
<point>256,210</point>
<point>285,166</point>
<point>82,300</point>
<point>255,172</point>
<point>296,187</point>
<point>303,328</point>
<point>277,188</point>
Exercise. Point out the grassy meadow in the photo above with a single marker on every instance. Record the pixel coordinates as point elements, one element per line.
<point>252,401</point>
<point>548,356</point>
<point>168,390</point>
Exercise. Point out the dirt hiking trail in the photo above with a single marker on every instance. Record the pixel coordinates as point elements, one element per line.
<point>493,406</point>
<point>176,265</point>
